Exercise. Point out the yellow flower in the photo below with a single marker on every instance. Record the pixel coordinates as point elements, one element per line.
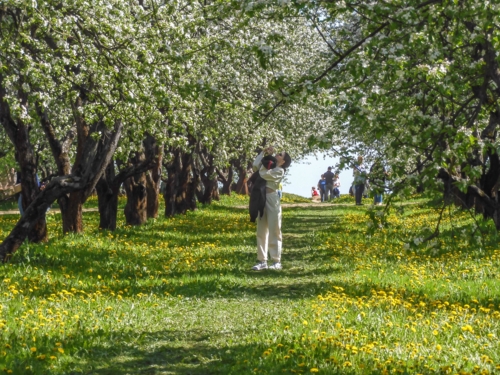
<point>467,328</point>
<point>33,349</point>
<point>60,350</point>
<point>439,347</point>
<point>314,369</point>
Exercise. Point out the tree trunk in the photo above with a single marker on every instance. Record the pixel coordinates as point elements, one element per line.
<point>107,197</point>
<point>71,212</point>
<point>227,181</point>
<point>181,185</point>
<point>135,187</point>
<point>209,178</point>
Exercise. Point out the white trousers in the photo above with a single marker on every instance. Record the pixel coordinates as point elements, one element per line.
<point>269,230</point>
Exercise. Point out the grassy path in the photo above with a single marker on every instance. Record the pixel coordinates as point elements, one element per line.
<point>177,296</point>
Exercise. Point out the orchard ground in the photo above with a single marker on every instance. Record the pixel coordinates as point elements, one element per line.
<point>177,296</point>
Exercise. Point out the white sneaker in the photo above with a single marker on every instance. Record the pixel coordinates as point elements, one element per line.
<point>275,266</point>
<point>260,266</point>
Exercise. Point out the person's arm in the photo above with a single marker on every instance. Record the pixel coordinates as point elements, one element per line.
<point>257,162</point>
<point>273,175</point>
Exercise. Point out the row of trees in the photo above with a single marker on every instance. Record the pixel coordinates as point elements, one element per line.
<point>114,92</point>
<point>119,92</point>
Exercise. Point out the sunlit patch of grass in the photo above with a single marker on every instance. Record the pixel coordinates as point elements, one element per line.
<point>176,295</point>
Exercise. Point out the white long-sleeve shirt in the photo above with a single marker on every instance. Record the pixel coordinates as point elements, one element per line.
<point>273,176</point>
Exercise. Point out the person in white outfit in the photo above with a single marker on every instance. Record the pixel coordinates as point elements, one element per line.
<point>269,239</point>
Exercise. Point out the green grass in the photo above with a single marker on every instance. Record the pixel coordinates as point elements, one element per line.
<point>176,296</point>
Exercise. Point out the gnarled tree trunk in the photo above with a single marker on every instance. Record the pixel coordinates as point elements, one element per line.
<point>135,187</point>
<point>181,184</point>
<point>107,198</point>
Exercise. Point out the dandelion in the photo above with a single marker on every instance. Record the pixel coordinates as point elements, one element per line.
<point>314,369</point>
<point>467,328</point>
<point>33,349</point>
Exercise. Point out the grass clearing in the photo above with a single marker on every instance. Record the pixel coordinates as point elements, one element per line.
<point>177,296</point>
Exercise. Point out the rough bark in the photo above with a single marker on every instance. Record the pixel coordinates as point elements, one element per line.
<point>107,198</point>
<point>181,184</point>
<point>136,207</point>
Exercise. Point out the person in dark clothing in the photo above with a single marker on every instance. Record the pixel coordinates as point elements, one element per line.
<point>322,187</point>
<point>329,176</point>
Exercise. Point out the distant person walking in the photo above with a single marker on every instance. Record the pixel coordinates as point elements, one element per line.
<point>269,238</point>
<point>359,174</point>
<point>322,187</point>
<point>329,184</point>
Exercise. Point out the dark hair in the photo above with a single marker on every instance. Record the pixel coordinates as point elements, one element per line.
<point>329,168</point>
<point>288,161</point>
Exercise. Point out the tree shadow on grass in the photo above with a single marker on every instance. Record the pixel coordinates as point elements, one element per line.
<point>182,352</point>
<point>230,280</point>
<point>174,352</point>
